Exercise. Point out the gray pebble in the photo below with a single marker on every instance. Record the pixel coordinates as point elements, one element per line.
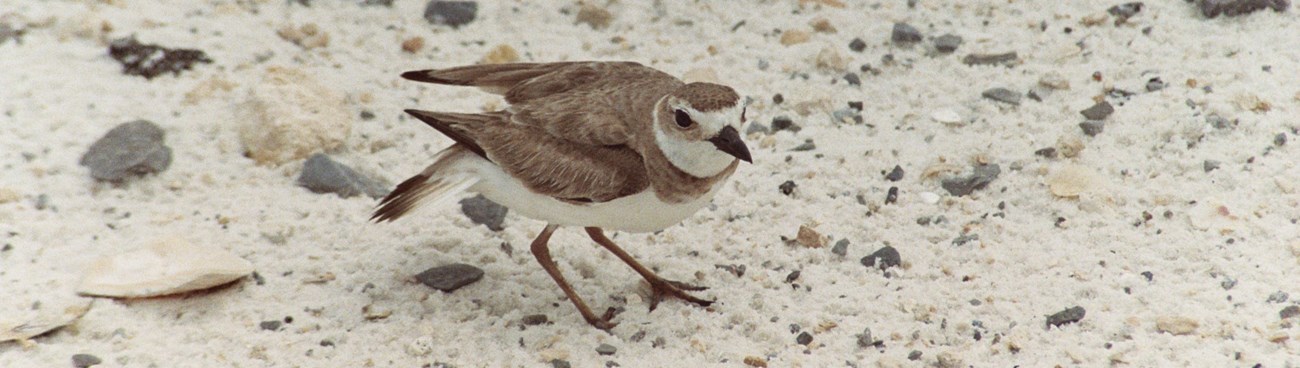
<point>1002,95</point>
<point>883,258</point>
<point>451,13</point>
<point>787,187</point>
<point>1148,275</point>
<point>450,277</point>
<point>808,145</point>
<point>1099,111</point>
<point>1278,297</point>
<point>271,325</point>
<point>1210,165</point>
<point>853,79</point>
<point>388,3</point>
<point>757,127</point>
<point>606,349</point>
<point>321,174</point>
<point>559,363</point>
<point>535,319</point>
<point>1289,311</point>
<point>841,248</point>
<point>896,174</point>
<point>1155,84</point>
<point>1038,93</point>
<point>1125,10</point>
<point>847,115</point>
<point>484,212</point>
<point>1069,315</point>
<point>1218,122</point>
<point>891,196</point>
<point>962,239</point>
<point>780,123</point>
<point>1049,152</point>
<point>991,59</point>
<point>905,33</point>
<point>134,148</point>
<point>947,43</point>
<point>804,338</point>
<point>857,45</point>
<point>963,185</point>
<point>762,64</point>
<point>85,360</point>
<point>1228,283</point>
<point>1212,8</point>
<point>1279,139</point>
<point>1092,127</point>
<point>914,355</point>
<point>866,340</point>
<point>42,201</point>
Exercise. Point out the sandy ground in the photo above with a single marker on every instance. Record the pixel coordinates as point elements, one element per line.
<point>1174,265</point>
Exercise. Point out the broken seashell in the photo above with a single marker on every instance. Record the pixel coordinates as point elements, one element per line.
<point>49,319</point>
<point>1072,180</point>
<point>168,266</point>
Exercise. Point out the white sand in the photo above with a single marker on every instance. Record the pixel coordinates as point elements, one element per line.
<point>61,92</point>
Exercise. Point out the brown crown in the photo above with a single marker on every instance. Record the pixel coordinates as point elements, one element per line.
<point>707,97</point>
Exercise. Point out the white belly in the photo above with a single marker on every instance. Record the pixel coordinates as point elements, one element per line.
<point>641,212</point>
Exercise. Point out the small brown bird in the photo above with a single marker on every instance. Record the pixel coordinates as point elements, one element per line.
<point>602,145</point>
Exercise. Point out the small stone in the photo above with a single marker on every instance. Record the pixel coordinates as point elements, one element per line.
<point>1125,10</point>
<point>411,45</point>
<point>134,148</point>
<point>308,36</point>
<point>865,339</point>
<point>963,185</point>
<point>841,248</point>
<point>1092,128</point>
<point>807,145</point>
<point>896,174</point>
<point>321,174</point>
<point>450,277</point>
<point>804,338</point>
<point>1002,95</point>
<point>150,61</point>
<point>857,45</point>
<point>388,3</point>
<point>85,360</point>
<point>794,37</point>
<point>1007,58</point>
<point>1150,276</point>
<point>1218,122</point>
<point>560,363</point>
<point>596,17</point>
<point>1099,111</point>
<point>883,258</point>
<point>1231,8</point>
<point>757,127</point>
<point>754,361</point>
<point>1049,152</point>
<point>964,238</point>
<point>484,212</point>
<point>787,187</point>
<point>822,25</point>
<point>914,355</point>
<point>830,59</point>
<point>606,349</point>
<point>946,116</point>
<point>1278,297</point>
<point>271,325</point>
<point>778,99</point>
<point>1279,140</point>
<point>891,196</point>
<point>166,266</point>
<point>290,116</point>
<point>1054,80</point>
<point>947,43</point>
<point>904,33</point>
<point>1289,311</point>
<point>792,276</point>
<point>852,79</point>
<point>535,319</point>
<point>1210,165</point>
<point>780,123</point>
<point>451,13</point>
<point>1069,315</point>
<point>810,238</point>
<point>1228,283</point>
<point>1176,325</point>
<point>1155,84</point>
<point>855,105</point>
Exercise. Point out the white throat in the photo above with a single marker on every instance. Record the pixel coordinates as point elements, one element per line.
<point>700,159</point>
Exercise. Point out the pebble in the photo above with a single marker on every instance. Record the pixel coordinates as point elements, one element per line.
<point>484,212</point>
<point>1092,128</point>
<point>1176,325</point>
<point>606,349</point>
<point>896,174</point>
<point>596,17</point>
<point>963,185</point>
<point>501,54</point>
<point>388,3</point>
<point>1279,140</point>
<point>829,59</point>
<point>1002,95</point>
<point>271,325</point>
<point>757,127</point>
<point>1155,84</point>
<point>85,360</point>
<point>794,37</point>
<point>1054,80</point>
<point>847,115</point>
<point>149,61</point>
<point>1069,315</point>
<point>1125,10</point>
<point>841,248</point>
<point>905,33</point>
<point>780,123</point>
<point>451,13</point>
<point>1210,165</point>
<point>804,338</point>
<point>321,174</point>
<point>962,239</point>
<point>947,43</point>
<point>450,277</point>
<point>810,238</point>
<point>1230,8</point>
<point>1099,111</point>
<point>891,197</point>
<point>990,59</point>
<point>560,363</point>
<point>1289,311</point>
<point>535,319</point>
<point>807,145</point>
<point>1278,297</point>
<point>289,116</point>
<point>914,355</point>
<point>1228,283</point>
<point>166,266</point>
<point>787,187</point>
<point>857,45</point>
<point>852,79</point>
<point>929,197</point>
<point>865,339</point>
<point>1049,152</point>
<point>883,258</point>
<point>754,361</point>
<point>134,148</point>
<point>946,116</point>
<point>411,45</point>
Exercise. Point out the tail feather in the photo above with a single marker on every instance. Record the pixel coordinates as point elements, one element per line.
<point>432,187</point>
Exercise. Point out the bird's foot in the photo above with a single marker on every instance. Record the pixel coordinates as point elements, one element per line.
<point>605,321</point>
<point>663,289</point>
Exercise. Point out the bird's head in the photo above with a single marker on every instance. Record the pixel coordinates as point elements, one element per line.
<point>697,127</point>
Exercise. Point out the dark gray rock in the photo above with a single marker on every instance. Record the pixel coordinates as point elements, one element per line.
<point>804,338</point>
<point>780,123</point>
<point>134,148</point>
<point>606,349</point>
<point>807,145</point>
<point>1099,111</point>
<point>847,115</point>
<point>1155,84</point>
<point>321,174</point>
<point>963,185</point>
<point>450,277</point>
<point>787,187</point>
<point>1092,127</point>
<point>451,13</point>
<point>85,360</point>
<point>841,248</point>
<point>853,79</point>
<point>1289,311</point>
<point>1219,122</point>
<point>1278,297</point>
<point>962,239</point>
<point>271,325</point>
<point>559,363</point>
<point>1002,95</point>
<point>484,212</point>
<point>896,174</point>
<point>891,196</point>
<point>947,43</point>
<point>857,45</point>
<point>535,319</point>
<point>1231,8</point>
<point>914,355</point>
<point>1125,11</point>
<point>905,34</point>
<point>1210,165</point>
<point>1228,283</point>
<point>1069,315</point>
<point>150,61</point>
<point>991,59</point>
<point>1049,152</point>
<point>883,258</point>
<point>1279,139</point>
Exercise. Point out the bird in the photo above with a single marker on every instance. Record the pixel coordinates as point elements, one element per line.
<point>600,145</point>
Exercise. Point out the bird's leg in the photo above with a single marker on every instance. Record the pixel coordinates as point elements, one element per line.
<point>543,255</point>
<point>661,287</point>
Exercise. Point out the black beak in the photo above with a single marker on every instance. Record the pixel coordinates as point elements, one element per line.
<point>728,140</point>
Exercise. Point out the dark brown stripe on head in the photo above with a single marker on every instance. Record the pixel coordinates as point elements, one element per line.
<point>707,97</point>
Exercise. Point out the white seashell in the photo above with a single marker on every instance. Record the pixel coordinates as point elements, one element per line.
<point>167,266</point>
<point>1072,180</point>
<point>47,319</point>
<point>946,116</point>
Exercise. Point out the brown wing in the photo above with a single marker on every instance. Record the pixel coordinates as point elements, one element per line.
<point>545,163</point>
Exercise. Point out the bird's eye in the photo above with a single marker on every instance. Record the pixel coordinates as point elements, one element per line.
<point>683,120</point>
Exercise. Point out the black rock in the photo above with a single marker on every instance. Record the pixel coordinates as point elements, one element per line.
<point>451,13</point>
<point>780,123</point>
<point>484,212</point>
<point>856,105</point>
<point>321,174</point>
<point>535,319</point>
<point>1279,139</point>
<point>853,79</point>
<point>1049,152</point>
<point>558,363</point>
<point>1125,10</point>
<point>905,33</point>
<point>1098,111</point>
<point>804,338</point>
<point>857,45</point>
<point>1212,8</point>
<point>1210,165</point>
<point>1092,127</point>
<point>963,185</point>
<point>990,59</point>
<point>947,43</point>
<point>1149,276</point>
<point>778,99</point>
<point>792,276</point>
<point>1069,315</point>
<point>271,325</point>
<point>450,277</point>
<point>606,349</point>
<point>1155,84</point>
<point>891,197</point>
<point>1289,311</point>
<point>896,174</point>
<point>787,187</point>
<point>841,248</point>
<point>134,148</point>
<point>1002,95</point>
<point>150,61</point>
<point>883,258</point>
<point>85,360</point>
